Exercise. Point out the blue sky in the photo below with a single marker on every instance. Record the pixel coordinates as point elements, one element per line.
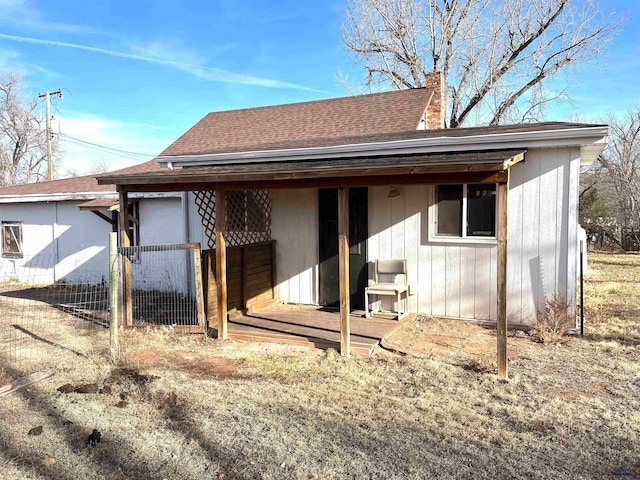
<point>137,74</point>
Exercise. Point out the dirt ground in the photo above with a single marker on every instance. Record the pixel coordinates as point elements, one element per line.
<point>425,405</point>
<point>445,339</point>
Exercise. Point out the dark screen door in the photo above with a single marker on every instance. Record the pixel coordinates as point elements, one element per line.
<point>328,241</point>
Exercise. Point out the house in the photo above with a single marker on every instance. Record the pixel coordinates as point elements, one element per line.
<point>486,217</point>
<point>58,231</point>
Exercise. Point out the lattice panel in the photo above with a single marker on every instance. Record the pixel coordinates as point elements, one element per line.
<point>248,216</point>
<point>206,202</point>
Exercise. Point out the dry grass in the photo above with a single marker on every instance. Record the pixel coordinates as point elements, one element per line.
<point>235,410</point>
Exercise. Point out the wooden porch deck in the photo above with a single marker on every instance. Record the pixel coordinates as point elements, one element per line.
<point>314,327</point>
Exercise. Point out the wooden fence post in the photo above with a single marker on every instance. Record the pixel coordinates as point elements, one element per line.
<point>114,344</point>
<point>503,205</point>
<point>125,241</point>
<point>197,271</point>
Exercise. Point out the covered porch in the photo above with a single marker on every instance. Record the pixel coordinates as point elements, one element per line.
<point>345,329</point>
<point>311,326</point>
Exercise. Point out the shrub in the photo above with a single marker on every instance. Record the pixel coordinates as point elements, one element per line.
<point>553,322</point>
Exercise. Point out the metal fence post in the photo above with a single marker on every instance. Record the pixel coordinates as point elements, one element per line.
<point>114,345</point>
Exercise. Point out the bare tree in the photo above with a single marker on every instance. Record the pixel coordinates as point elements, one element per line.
<point>101,167</point>
<point>23,150</point>
<point>620,163</point>
<point>495,55</point>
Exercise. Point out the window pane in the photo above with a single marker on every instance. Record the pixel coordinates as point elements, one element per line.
<point>481,210</point>
<point>449,216</point>
<point>12,240</point>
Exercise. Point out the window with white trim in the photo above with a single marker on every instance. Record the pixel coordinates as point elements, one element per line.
<point>464,211</point>
<point>12,239</point>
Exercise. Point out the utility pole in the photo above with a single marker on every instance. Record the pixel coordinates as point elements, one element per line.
<point>47,100</point>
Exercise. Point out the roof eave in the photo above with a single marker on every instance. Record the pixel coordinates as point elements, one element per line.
<point>567,137</point>
<point>54,197</point>
<point>81,196</point>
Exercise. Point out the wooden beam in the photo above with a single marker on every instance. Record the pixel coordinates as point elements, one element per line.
<point>197,272</point>
<point>125,241</point>
<point>503,204</point>
<point>102,216</point>
<point>515,159</point>
<point>343,260</point>
<point>180,184</point>
<point>221,262</point>
<point>258,170</point>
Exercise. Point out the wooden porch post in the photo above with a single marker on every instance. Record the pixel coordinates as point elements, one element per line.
<point>503,193</point>
<point>221,262</point>
<point>125,241</point>
<point>343,256</point>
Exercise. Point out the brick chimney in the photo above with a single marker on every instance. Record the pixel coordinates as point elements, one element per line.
<point>436,111</point>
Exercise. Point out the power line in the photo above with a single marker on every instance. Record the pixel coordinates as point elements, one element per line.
<point>64,135</point>
<point>107,150</point>
<point>79,141</point>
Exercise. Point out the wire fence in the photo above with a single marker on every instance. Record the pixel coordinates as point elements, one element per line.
<point>49,309</point>
<point>164,287</point>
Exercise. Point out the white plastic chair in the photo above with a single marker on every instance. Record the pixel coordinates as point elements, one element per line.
<point>386,276</point>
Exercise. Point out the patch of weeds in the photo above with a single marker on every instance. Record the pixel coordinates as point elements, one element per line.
<point>283,369</point>
<point>596,312</point>
<point>482,363</point>
<point>553,322</point>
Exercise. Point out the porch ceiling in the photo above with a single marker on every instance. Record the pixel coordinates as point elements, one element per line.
<point>455,167</point>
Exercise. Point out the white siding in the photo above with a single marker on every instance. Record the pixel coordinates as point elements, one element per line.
<point>63,243</point>
<point>60,242</point>
<point>459,279</point>
<point>162,223</point>
<point>294,227</point>
<point>544,248</point>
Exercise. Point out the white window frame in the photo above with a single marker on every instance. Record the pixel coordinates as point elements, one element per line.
<point>433,222</point>
<point>20,252</point>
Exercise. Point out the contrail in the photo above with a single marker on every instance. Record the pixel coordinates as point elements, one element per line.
<point>207,73</point>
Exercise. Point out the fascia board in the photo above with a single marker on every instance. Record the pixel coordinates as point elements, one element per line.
<point>540,139</point>
<point>53,197</point>
<point>63,197</point>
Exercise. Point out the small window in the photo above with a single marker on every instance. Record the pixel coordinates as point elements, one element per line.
<point>481,210</point>
<point>449,210</point>
<point>12,239</point>
<point>464,211</point>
